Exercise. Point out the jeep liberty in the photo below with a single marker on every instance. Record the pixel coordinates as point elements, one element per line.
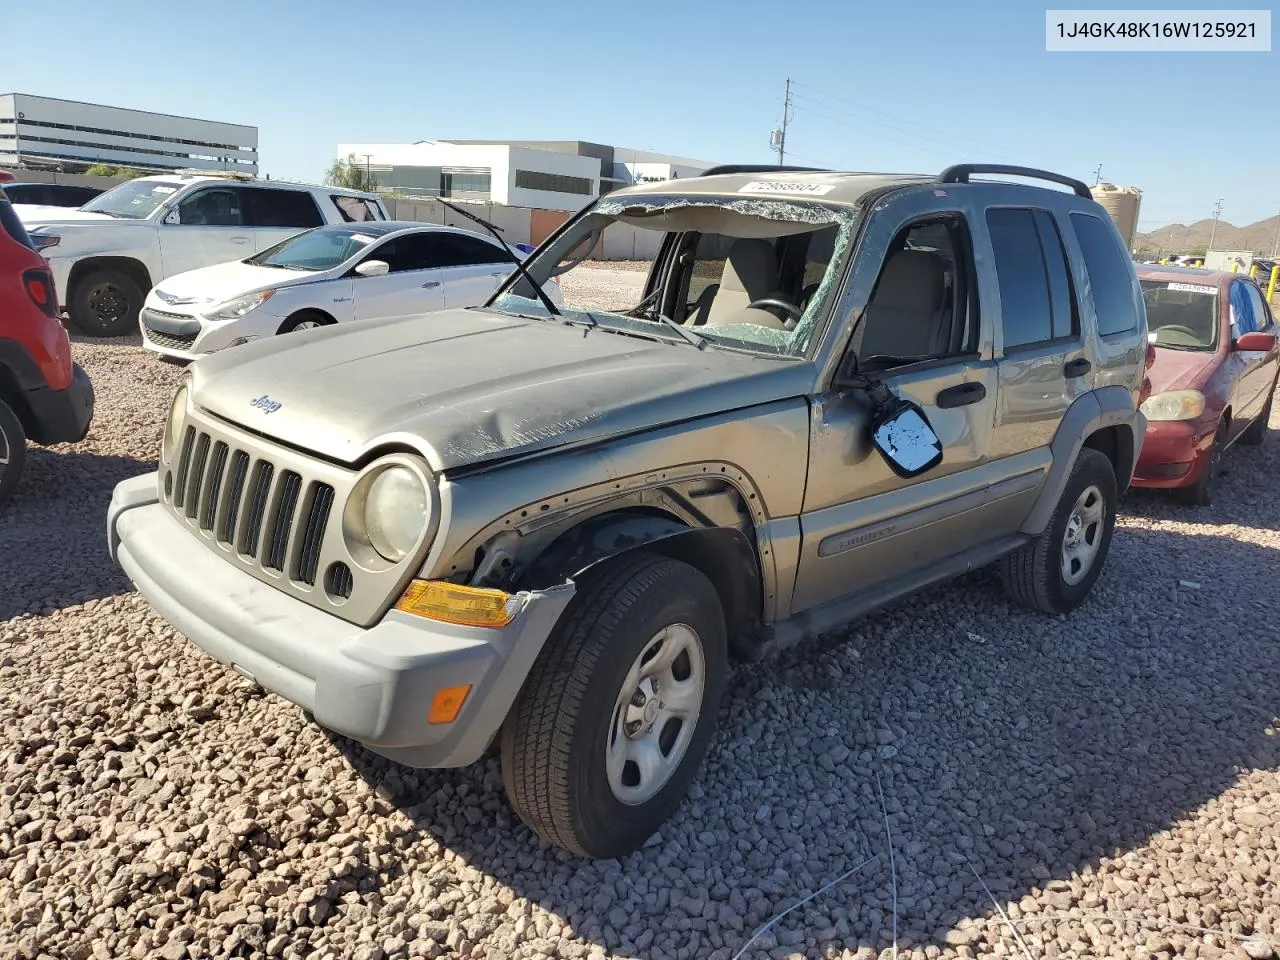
<point>549,528</point>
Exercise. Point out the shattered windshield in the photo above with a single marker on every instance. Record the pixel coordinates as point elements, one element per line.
<point>749,274</point>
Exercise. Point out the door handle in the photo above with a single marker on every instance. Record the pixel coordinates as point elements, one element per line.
<point>961,395</point>
<point>239,239</point>
<point>431,284</point>
<point>1076,368</point>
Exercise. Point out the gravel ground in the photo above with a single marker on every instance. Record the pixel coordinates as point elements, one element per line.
<point>1104,785</point>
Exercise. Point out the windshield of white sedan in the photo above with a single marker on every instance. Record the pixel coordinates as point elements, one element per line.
<point>1181,316</point>
<point>132,200</point>
<point>320,249</point>
<point>752,274</point>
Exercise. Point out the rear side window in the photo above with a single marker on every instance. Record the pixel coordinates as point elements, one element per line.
<point>1110,272</point>
<point>282,208</point>
<point>1036,301</point>
<point>459,250</point>
<point>355,209</point>
<point>11,225</point>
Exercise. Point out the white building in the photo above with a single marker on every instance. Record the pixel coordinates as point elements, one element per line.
<point>545,174</point>
<point>47,132</point>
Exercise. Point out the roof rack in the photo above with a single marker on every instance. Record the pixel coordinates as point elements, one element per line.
<point>960,173</point>
<point>222,174</point>
<point>759,168</point>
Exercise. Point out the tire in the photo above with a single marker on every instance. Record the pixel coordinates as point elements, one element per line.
<point>566,742</point>
<point>13,451</point>
<point>1200,493</point>
<point>1257,431</point>
<point>1036,575</point>
<point>106,303</point>
<point>304,320</point>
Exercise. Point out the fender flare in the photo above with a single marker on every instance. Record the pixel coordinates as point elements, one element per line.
<point>724,554</point>
<point>1097,410</point>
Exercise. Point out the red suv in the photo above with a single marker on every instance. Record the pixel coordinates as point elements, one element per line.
<point>43,395</point>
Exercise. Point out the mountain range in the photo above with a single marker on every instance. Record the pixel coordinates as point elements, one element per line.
<point>1259,237</point>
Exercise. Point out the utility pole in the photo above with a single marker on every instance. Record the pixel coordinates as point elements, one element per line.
<point>778,138</point>
<point>1213,231</point>
<point>367,175</point>
<point>1097,175</point>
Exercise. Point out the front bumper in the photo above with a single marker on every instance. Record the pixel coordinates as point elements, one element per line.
<point>374,685</point>
<point>188,337</point>
<point>1174,453</point>
<point>62,416</point>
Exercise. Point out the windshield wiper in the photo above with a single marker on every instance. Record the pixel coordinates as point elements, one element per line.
<point>497,235</point>
<point>697,339</point>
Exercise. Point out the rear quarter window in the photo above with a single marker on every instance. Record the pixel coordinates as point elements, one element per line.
<point>1116,301</point>
<point>10,223</point>
<point>282,208</point>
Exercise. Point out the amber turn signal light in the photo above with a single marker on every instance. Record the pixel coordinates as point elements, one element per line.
<point>447,704</point>
<point>460,604</point>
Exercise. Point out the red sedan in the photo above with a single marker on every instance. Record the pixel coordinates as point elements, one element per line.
<point>1212,379</point>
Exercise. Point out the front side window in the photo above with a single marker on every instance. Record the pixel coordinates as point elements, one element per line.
<point>1110,271</point>
<point>410,252</point>
<point>323,248</point>
<point>1261,312</point>
<point>726,271</point>
<point>919,308</point>
<point>1181,315</point>
<point>212,207</point>
<point>282,208</point>
<point>132,200</point>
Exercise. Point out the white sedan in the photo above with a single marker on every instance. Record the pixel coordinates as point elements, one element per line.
<point>330,274</point>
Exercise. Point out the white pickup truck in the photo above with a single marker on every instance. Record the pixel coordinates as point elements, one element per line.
<point>106,255</point>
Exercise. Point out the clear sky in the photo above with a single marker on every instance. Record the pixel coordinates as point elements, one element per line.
<point>901,86</point>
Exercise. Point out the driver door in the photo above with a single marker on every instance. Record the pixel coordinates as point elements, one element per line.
<point>413,285</point>
<point>211,228</point>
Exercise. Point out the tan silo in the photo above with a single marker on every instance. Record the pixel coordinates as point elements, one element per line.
<point>1121,204</point>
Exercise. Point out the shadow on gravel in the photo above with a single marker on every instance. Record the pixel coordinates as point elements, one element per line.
<point>1029,747</point>
<point>53,541</point>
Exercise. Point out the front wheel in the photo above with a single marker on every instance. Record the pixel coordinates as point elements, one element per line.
<point>13,450</point>
<point>1257,431</point>
<point>1200,493</point>
<point>105,303</point>
<point>1056,571</point>
<point>617,712</point>
<point>304,320</point>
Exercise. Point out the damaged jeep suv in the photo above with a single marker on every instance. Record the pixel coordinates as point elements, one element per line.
<point>549,527</point>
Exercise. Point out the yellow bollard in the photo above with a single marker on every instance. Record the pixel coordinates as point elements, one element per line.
<point>1271,287</point>
<point>1253,271</point>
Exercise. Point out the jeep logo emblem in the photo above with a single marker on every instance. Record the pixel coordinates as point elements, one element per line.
<point>265,404</point>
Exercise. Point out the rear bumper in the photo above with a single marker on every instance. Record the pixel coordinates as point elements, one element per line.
<point>1174,453</point>
<point>374,685</point>
<point>62,416</point>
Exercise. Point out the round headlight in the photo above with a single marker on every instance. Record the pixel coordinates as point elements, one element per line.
<point>173,429</point>
<point>396,512</point>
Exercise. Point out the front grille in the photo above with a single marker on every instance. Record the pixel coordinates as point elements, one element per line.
<point>271,517</point>
<point>173,341</point>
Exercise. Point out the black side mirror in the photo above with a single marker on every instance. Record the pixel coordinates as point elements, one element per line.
<point>902,434</point>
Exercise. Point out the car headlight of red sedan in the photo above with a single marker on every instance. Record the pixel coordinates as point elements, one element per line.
<point>1173,405</point>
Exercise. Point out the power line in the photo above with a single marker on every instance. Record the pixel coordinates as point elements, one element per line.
<point>933,133</point>
<point>809,111</point>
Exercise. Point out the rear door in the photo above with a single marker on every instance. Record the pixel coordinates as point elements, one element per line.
<point>1041,354</point>
<point>412,286</point>
<point>470,267</point>
<point>276,213</point>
